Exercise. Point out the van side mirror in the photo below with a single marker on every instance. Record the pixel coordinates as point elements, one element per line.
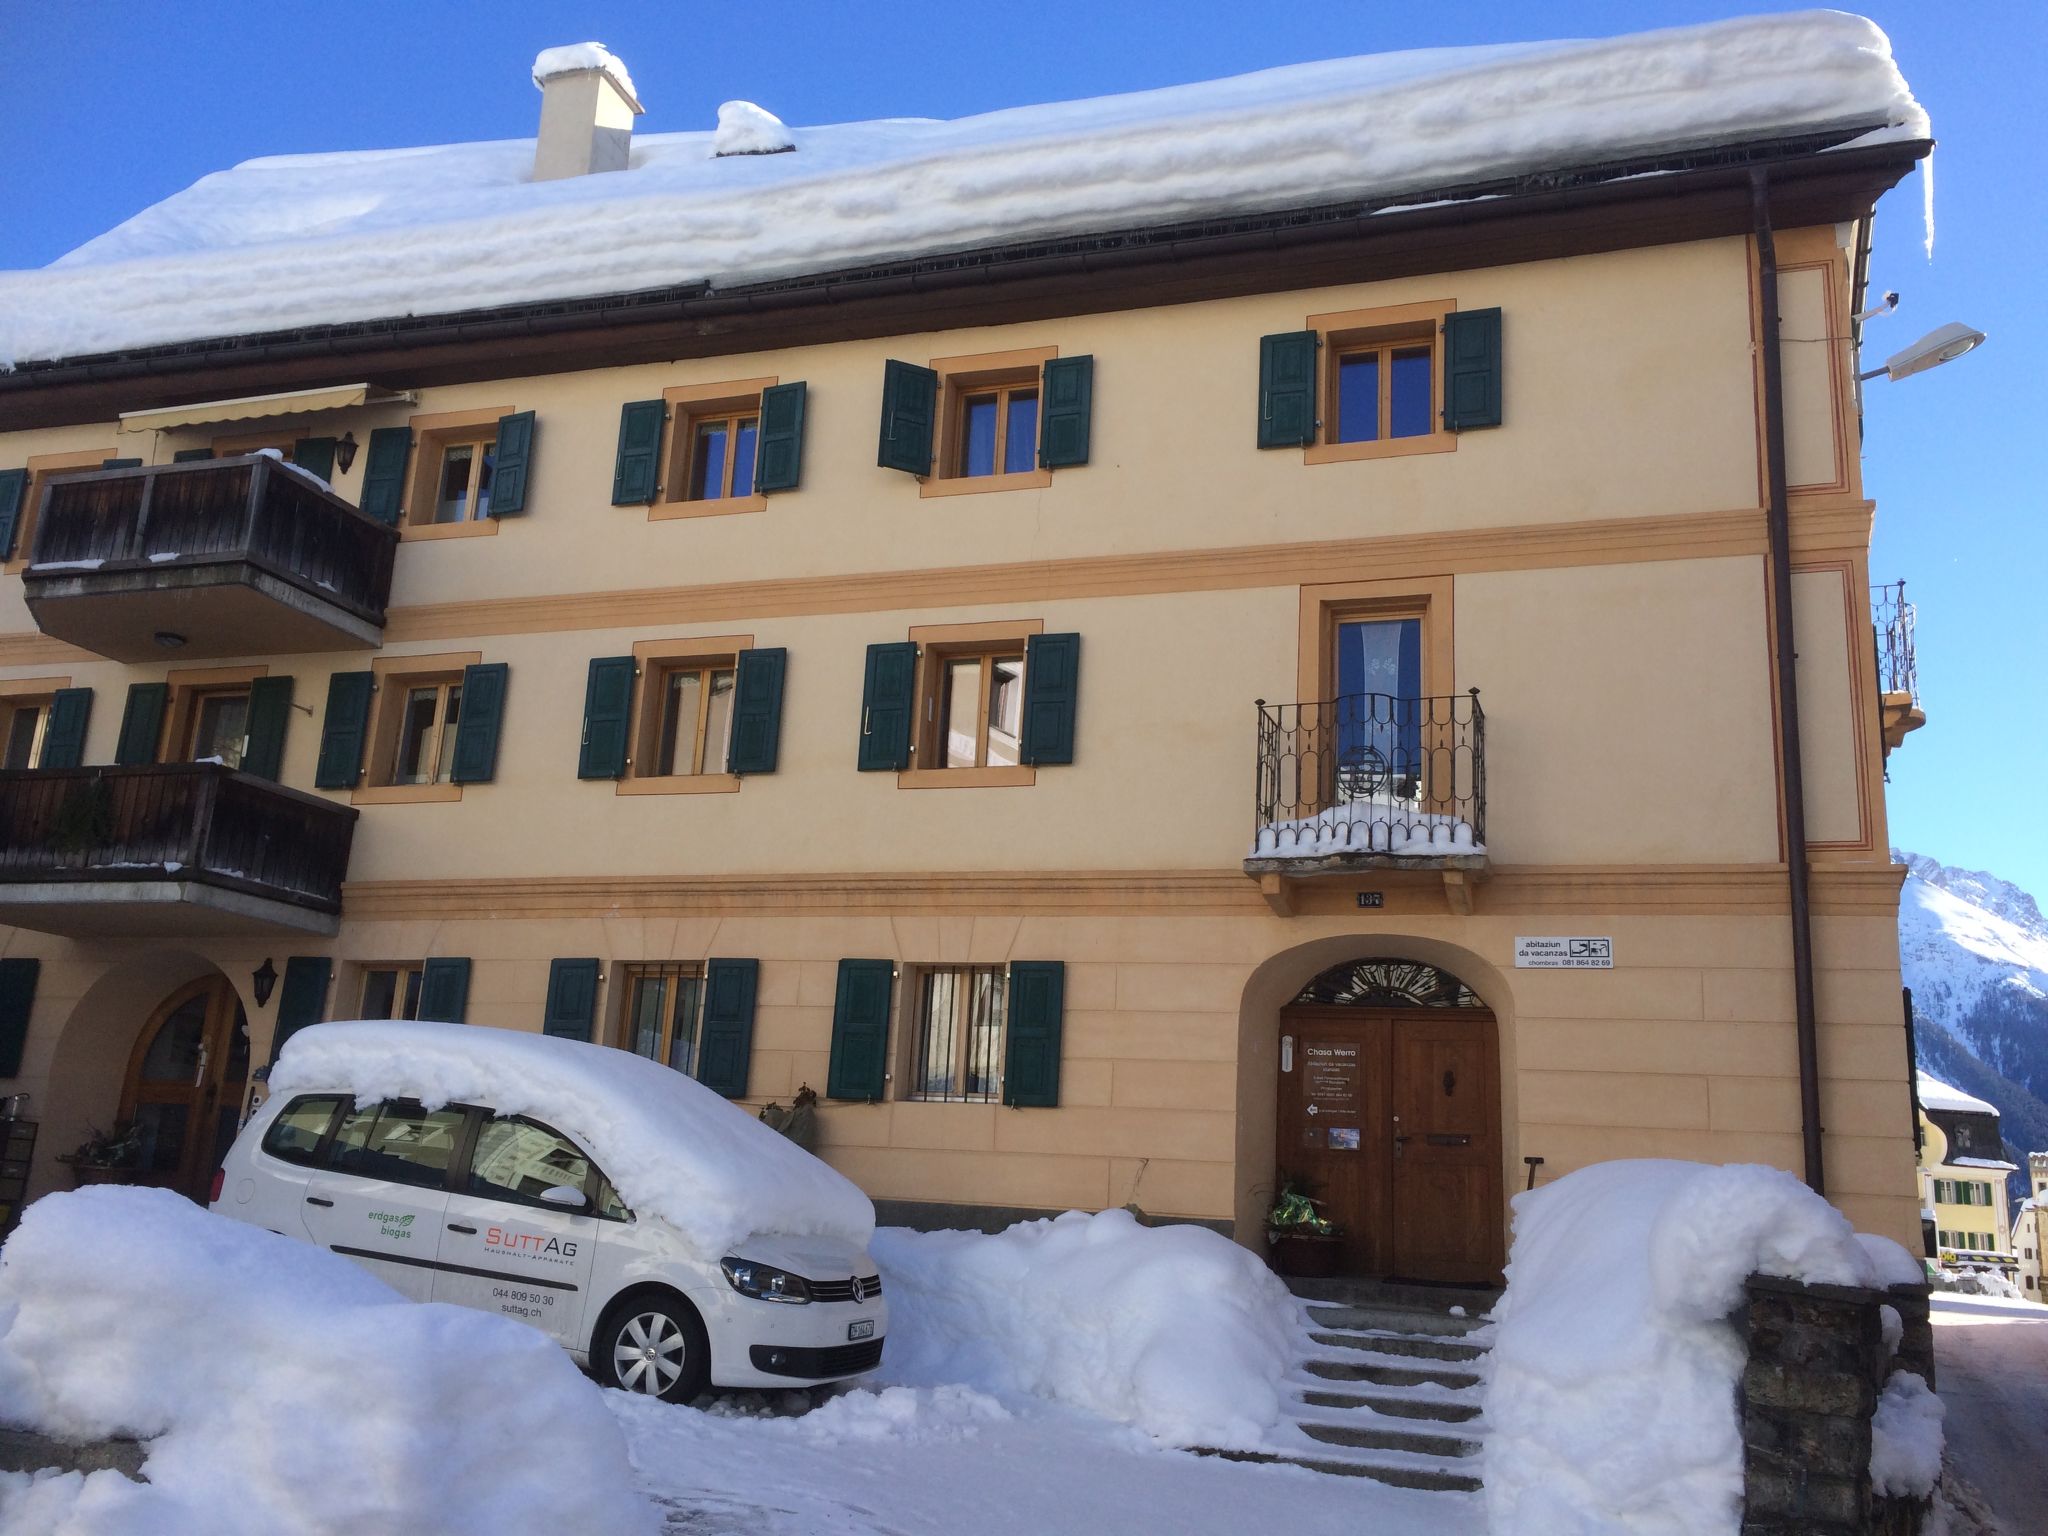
<point>564,1196</point>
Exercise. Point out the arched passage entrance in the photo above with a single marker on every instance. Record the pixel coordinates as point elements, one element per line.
<point>1389,1114</point>
<point>183,1088</point>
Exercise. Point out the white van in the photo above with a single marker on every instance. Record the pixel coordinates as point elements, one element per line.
<point>513,1213</point>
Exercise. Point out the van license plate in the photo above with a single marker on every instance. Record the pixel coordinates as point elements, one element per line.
<point>861,1330</point>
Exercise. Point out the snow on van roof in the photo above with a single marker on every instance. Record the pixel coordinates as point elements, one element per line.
<point>671,1146</point>
<point>302,240</point>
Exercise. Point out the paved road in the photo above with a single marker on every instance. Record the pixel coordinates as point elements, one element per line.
<point>1991,1359</point>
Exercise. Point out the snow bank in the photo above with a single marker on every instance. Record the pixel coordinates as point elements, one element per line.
<point>1174,1329</point>
<point>745,129</point>
<point>331,238</point>
<point>283,1389</point>
<point>1612,1381</point>
<point>1906,1438</point>
<point>672,1147</point>
<point>1369,825</point>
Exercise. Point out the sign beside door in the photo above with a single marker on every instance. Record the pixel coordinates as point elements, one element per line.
<point>1564,954</point>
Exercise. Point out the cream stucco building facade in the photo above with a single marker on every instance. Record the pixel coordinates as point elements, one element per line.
<point>1596,565</point>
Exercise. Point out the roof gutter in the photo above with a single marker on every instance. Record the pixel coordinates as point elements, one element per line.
<point>1791,771</point>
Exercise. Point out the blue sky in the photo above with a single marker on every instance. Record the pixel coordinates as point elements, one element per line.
<point>124,105</point>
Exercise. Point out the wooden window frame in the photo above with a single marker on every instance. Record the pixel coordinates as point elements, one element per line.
<point>911,1024</point>
<point>938,644</point>
<point>974,374</point>
<point>653,660</point>
<point>396,676</point>
<point>411,974</point>
<point>188,686</point>
<point>1327,605</point>
<point>40,467</point>
<point>29,693</point>
<point>688,405</point>
<point>1346,333</point>
<point>433,435</point>
<point>628,976</point>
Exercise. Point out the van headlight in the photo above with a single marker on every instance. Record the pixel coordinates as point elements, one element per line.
<point>764,1282</point>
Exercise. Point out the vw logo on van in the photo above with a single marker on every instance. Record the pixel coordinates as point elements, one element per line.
<point>853,1283</point>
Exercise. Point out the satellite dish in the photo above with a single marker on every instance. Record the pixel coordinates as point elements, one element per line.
<point>1943,344</point>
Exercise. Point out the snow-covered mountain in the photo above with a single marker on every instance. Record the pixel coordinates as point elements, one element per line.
<point>1974,949</point>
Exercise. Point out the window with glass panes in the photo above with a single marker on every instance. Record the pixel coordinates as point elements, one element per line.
<point>28,721</point>
<point>958,1039</point>
<point>993,427</point>
<point>429,712</point>
<point>659,1013</point>
<point>691,710</point>
<point>219,726</point>
<point>462,486</point>
<point>1384,391</point>
<point>722,446</point>
<point>391,992</point>
<point>973,708</point>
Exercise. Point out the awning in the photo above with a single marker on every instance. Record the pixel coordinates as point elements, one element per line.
<point>292,402</point>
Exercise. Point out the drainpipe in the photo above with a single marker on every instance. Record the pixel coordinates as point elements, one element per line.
<point>1791,775</point>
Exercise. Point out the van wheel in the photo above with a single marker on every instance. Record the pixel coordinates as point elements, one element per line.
<point>655,1346</point>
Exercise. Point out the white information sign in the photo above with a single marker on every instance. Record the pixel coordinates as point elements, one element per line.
<point>1564,954</point>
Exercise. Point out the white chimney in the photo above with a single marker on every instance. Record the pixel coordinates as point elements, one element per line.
<point>587,107</point>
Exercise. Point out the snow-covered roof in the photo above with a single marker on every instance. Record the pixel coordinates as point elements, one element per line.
<point>1995,1164</point>
<point>301,240</point>
<point>671,1146</point>
<point>1935,1094</point>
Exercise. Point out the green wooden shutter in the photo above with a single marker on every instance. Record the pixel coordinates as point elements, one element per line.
<point>17,1002</point>
<point>726,1042</point>
<point>607,718</point>
<point>910,397</point>
<point>142,721</point>
<point>1052,671</point>
<point>345,730</point>
<point>1031,1054</point>
<point>779,445</point>
<point>860,1030</point>
<point>302,999</point>
<point>572,999</point>
<point>476,732</point>
<point>888,707</point>
<point>637,474</point>
<point>191,455</point>
<point>444,989</point>
<point>315,455</point>
<point>270,711</point>
<point>512,464</point>
<point>120,463</point>
<point>384,473</point>
<point>1068,396</point>
<point>13,492</point>
<point>64,737</point>
<point>1471,369</point>
<point>1287,389</point>
<point>757,711</point>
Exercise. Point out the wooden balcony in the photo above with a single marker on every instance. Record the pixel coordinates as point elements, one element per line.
<point>223,557</point>
<point>168,849</point>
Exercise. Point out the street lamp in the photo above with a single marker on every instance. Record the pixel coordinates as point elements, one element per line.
<point>1943,344</point>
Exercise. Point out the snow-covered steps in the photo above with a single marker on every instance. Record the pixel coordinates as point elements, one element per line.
<point>1388,1389</point>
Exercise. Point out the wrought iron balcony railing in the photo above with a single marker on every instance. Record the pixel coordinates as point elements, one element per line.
<point>232,556</point>
<point>178,822</point>
<point>1892,617</point>
<point>1370,777</point>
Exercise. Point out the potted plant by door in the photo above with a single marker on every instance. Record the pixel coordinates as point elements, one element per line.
<point>106,1157</point>
<point>1304,1242</point>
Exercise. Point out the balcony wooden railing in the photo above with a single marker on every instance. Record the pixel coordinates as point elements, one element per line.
<point>1370,777</point>
<point>174,822</point>
<point>253,509</point>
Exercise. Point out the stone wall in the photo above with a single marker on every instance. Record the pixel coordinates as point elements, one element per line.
<point>1817,1363</point>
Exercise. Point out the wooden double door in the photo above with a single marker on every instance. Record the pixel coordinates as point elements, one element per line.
<point>1390,1118</point>
<point>186,1078</point>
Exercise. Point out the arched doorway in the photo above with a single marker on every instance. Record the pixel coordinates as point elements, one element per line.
<point>1389,1114</point>
<point>183,1091</point>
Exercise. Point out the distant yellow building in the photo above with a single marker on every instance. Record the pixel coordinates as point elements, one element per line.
<point>1962,1179</point>
<point>2028,1229</point>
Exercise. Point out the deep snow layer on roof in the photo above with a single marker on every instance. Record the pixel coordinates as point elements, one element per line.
<point>303,240</point>
<point>1935,1094</point>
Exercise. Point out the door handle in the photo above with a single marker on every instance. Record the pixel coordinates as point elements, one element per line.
<point>1400,1146</point>
<point>316,1200</point>
<point>465,1231</point>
